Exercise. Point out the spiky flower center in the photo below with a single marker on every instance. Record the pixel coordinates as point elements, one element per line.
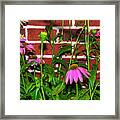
<point>73,66</point>
<point>22,36</point>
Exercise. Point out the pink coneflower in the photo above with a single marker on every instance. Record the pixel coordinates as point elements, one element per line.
<point>22,51</point>
<point>37,60</point>
<point>29,47</point>
<point>76,73</point>
<point>26,48</point>
<point>22,38</point>
<point>98,34</point>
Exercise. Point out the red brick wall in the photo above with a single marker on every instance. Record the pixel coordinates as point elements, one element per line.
<point>34,27</point>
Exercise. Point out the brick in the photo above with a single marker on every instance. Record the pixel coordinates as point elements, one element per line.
<point>47,48</point>
<point>38,75</point>
<point>74,32</point>
<point>80,22</point>
<point>48,60</point>
<point>47,22</point>
<point>37,48</point>
<point>39,22</point>
<point>91,22</point>
<point>80,60</point>
<point>94,22</point>
<point>59,23</point>
<point>81,50</point>
<point>93,61</point>
<point>98,76</point>
<point>34,32</point>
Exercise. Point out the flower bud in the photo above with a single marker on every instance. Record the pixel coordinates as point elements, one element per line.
<point>43,36</point>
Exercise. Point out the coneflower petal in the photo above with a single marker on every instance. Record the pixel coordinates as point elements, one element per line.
<point>67,77</point>
<point>79,75</point>
<point>75,75</point>
<point>71,76</point>
<point>84,72</point>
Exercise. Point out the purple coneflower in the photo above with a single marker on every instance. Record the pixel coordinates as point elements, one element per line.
<point>76,73</point>
<point>22,41</point>
<point>22,38</point>
<point>37,60</point>
<point>22,51</point>
<point>97,34</point>
<point>29,47</point>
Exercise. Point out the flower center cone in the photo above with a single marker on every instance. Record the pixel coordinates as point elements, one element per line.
<point>73,66</point>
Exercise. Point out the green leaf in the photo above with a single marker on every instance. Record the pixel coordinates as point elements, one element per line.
<point>83,93</point>
<point>59,88</point>
<point>83,65</point>
<point>22,90</point>
<point>60,61</point>
<point>63,97</point>
<point>92,78</point>
<point>48,69</point>
<point>62,72</point>
<point>30,75</point>
<point>24,67</point>
<point>31,85</point>
<point>97,91</point>
<point>48,91</point>
<point>64,49</point>
<point>32,88</point>
<point>36,93</point>
<point>85,97</point>
<point>97,83</point>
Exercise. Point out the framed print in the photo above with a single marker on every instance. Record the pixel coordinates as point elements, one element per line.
<point>60,59</point>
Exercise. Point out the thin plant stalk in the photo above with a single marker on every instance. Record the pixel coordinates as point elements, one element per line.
<point>25,72</point>
<point>60,41</point>
<point>76,90</point>
<point>94,91</point>
<point>87,51</point>
<point>52,44</point>
<point>34,71</point>
<point>23,81</point>
<point>62,30</point>
<point>87,45</point>
<point>75,46</point>
<point>35,80</point>
<point>71,44</point>
<point>41,70</point>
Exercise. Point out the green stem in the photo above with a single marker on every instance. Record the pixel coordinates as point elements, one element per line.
<point>87,45</point>
<point>71,45</point>
<point>59,73</point>
<point>94,91</point>
<point>62,29</point>
<point>35,81</point>
<point>75,45</point>
<point>27,81</point>
<point>52,43</point>
<point>60,41</point>
<point>23,82</point>
<point>41,70</point>
<point>88,50</point>
<point>34,71</point>
<point>76,90</point>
